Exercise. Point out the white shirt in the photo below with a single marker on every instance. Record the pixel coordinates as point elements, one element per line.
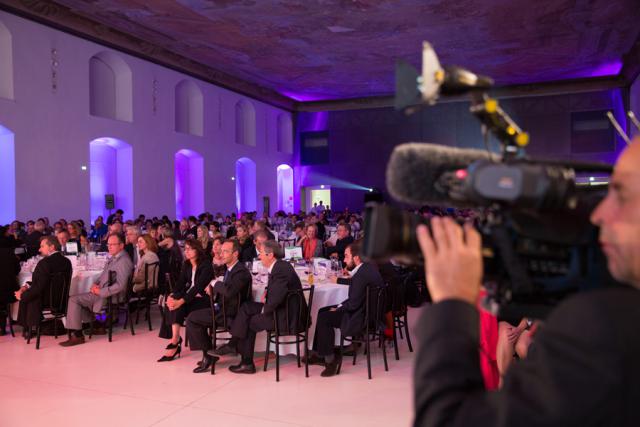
<point>355,270</point>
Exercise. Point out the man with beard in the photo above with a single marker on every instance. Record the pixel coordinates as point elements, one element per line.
<point>349,315</point>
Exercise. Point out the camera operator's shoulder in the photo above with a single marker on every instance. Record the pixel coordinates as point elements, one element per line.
<point>598,313</point>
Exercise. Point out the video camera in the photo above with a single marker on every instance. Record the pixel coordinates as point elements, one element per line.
<point>534,214</point>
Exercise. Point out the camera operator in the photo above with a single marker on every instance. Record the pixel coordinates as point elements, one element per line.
<point>584,369</point>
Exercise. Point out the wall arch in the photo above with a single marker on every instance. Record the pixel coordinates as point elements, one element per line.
<point>110,87</point>
<point>285,188</point>
<point>189,108</point>
<point>7,176</point>
<point>245,115</point>
<point>110,172</point>
<point>189,183</point>
<point>245,185</point>
<point>6,62</point>
<point>284,133</point>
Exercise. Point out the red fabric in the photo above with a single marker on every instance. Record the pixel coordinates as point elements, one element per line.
<point>488,348</point>
<point>309,248</point>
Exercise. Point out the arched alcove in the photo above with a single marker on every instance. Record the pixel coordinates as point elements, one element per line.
<point>6,62</point>
<point>245,185</point>
<point>7,176</point>
<point>245,123</point>
<point>189,182</point>
<point>110,172</point>
<point>285,188</point>
<point>188,108</point>
<point>110,87</point>
<point>285,134</point>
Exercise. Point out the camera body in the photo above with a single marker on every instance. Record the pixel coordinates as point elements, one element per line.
<point>538,243</point>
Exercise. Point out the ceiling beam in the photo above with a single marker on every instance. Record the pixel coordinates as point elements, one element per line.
<point>564,87</point>
<point>64,19</point>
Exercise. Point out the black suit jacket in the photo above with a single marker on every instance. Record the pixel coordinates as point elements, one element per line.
<point>249,253</point>
<point>582,368</point>
<point>341,245</point>
<point>234,289</point>
<point>204,275</point>
<point>354,306</point>
<point>35,298</point>
<point>9,269</point>
<point>283,278</point>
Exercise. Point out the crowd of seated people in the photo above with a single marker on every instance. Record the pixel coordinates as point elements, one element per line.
<point>211,268</point>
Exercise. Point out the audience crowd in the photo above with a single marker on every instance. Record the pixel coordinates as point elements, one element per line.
<point>196,269</point>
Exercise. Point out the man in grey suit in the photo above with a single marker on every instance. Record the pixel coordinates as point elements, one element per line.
<point>121,264</point>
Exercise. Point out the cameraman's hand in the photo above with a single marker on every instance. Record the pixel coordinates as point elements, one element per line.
<point>453,260</point>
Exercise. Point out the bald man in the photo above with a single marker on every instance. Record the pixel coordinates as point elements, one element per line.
<point>585,367</point>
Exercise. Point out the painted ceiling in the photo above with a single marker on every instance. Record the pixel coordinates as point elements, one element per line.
<point>337,49</point>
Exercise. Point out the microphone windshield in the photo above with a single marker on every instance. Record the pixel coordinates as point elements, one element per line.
<point>414,168</point>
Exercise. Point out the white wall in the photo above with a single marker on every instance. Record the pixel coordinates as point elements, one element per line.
<point>53,130</point>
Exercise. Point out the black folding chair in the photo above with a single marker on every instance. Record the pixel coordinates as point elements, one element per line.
<point>299,336</point>
<point>374,326</point>
<point>399,311</point>
<point>55,306</point>
<point>224,326</point>
<point>143,299</point>
<point>115,305</point>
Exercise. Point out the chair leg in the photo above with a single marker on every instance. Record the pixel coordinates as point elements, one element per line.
<point>406,328</point>
<point>149,315</point>
<point>306,355</point>
<point>277,357</point>
<point>341,346</point>
<point>10,321</point>
<point>55,327</point>
<point>266,352</point>
<point>384,352</point>
<point>399,327</point>
<point>395,340</point>
<point>110,319</point>
<point>298,349</point>
<point>38,337</point>
<point>131,324</point>
<point>368,349</point>
<point>355,354</point>
<point>29,335</point>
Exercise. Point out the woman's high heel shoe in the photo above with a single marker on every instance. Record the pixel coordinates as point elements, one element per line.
<point>171,346</point>
<point>170,358</point>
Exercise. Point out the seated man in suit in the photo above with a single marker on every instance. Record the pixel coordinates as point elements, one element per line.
<point>233,289</point>
<point>93,301</point>
<point>254,317</point>
<point>349,315</point>
<point>344,239</point>
<point>34,294</point>
<point>252,252</point>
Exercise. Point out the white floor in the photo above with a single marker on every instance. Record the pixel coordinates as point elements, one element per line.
<point>120,384</point>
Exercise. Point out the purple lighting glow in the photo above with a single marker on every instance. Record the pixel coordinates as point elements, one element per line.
<point>189,183</point>
<point>7,176</point>
<point>245,185</point>
<point>607,69</point>
<point>110,172</point>
<point>285,188</point>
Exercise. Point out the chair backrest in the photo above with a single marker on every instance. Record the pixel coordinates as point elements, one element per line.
<point>170,281</point>
<point>58,297</point>
<point>303,314</point>
<point>151,275</point>
<point>375,308</point>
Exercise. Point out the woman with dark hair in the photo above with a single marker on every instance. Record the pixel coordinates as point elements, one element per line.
<point>219,266</point>
<point>188,295</point>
